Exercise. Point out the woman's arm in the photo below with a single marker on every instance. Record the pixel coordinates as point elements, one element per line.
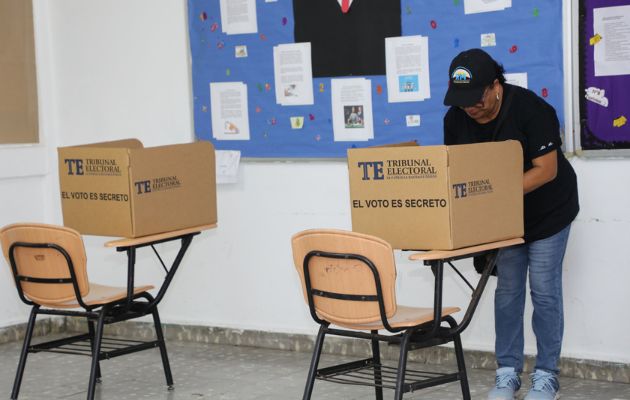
<point>544,170</point>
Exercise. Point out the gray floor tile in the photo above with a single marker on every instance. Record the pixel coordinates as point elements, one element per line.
<point>223,372</point>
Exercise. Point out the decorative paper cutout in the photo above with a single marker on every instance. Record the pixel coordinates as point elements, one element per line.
<point>297,122</point>
<point>595,39</point>
<point>413,120</point>
<point>596,95</point>
<point>240,51</point>
<point>345,5</point>
<point>619,122</point>
<point>336,49</point>
<point>488,40</point>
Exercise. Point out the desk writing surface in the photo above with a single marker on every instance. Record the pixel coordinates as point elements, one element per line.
<point>445,254</point>
<point>124,242</point>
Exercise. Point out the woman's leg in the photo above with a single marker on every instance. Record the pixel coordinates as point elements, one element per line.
<point>545,281</point>
<point>509,305</point>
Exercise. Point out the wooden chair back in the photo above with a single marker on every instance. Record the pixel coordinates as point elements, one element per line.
<point>46,262</point>
<point>346,276</point>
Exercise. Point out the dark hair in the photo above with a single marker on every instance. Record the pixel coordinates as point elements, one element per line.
<point>499,71</point>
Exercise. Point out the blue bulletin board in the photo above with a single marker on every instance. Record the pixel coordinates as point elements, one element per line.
<point>527,39</point>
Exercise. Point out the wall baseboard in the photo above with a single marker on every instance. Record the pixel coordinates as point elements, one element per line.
<point>441,355</point>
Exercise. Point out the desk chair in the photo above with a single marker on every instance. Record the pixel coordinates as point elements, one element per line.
<point>348,280</point>
<point>49,268</point>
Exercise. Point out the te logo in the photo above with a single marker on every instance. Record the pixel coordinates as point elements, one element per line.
<point>75,166</point>
<point>460,190</point>
<point>371,170</point>
<point>143,186</point>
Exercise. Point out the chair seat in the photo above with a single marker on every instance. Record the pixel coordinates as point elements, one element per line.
<point>101,294</point>
<point>404,317</point>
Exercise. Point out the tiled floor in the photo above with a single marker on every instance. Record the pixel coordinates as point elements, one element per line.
<point>224,372</point>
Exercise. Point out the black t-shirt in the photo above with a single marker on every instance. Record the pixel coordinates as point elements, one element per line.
<point>347,44</point>
<point>534,123</point>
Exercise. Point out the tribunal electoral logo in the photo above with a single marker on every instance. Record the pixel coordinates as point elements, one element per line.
<point>420,168</point>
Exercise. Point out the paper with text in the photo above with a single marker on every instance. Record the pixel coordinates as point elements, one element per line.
<point>293,74</point>
<point>480,6</point>
<point>352,109</point>
<point>407,65</point>
<point>517,79</point>
<point>238,16</point>
<point>227,162</point>
<point>230,118</point>
<point>612,52</point>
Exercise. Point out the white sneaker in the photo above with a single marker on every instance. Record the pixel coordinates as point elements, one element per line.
<point>507,384</point>
<point>545,386</point>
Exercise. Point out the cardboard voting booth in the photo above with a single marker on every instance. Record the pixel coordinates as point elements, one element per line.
<point>438,197</point>
<point>122,189</point>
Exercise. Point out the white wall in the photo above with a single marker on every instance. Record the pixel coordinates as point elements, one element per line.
<point>119,69</point>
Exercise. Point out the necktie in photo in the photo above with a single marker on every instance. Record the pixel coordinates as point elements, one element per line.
<point>345,6</point>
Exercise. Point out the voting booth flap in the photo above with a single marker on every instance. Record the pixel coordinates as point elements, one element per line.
<point>438,197</point>
<point>123,189</point>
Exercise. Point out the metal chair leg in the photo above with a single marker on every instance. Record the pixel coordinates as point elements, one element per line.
<point>24,354</point>
<point>312,372</point>
<point>98,366</point>
<point>402,365</point>
<point>461,365</point>
<point>96,351</point>
<point>163,353</point>
<point>376,356</point>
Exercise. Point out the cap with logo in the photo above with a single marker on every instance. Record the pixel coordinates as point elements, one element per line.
<point>471,71</point>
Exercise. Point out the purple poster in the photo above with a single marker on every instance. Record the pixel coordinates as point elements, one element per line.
<point>605,74</point>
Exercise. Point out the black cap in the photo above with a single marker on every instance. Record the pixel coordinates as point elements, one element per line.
<point>471,71</point>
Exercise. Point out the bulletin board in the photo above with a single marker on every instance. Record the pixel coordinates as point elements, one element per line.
<point>605,88</point>
<point>527,38</point>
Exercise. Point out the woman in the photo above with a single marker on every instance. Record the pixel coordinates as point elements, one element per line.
<point>485,108</point>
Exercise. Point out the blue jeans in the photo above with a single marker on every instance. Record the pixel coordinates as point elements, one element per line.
<point>544,259</point>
